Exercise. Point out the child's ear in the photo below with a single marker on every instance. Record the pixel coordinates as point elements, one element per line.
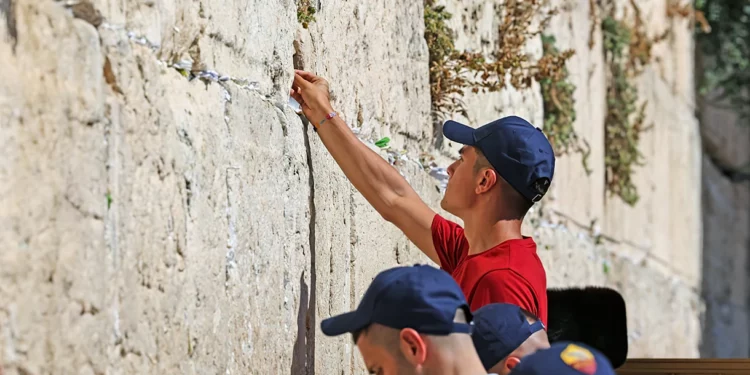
<point>412,346</point>
<point>512,362</point>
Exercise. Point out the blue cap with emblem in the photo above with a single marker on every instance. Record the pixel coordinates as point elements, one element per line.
<point>499,329</point>
<point>565,358</point>
<point>420,297</point>
<point>517,150</point>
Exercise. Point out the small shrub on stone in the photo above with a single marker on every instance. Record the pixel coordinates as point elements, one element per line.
<point>559,104</point>
<point>305,13</point>
<point>452,71</point>
<point>723,34</point>
<point>627,50</point>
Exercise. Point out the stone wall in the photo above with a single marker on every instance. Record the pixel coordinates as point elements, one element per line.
<point>592,237</point>
<point>154,224</point>
<point>726,244</point>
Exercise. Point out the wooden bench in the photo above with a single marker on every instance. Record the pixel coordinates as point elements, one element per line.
<point>676,366</point>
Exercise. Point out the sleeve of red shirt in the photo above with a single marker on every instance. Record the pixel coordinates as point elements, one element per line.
<point>504,286</point>
<point>448,238</point>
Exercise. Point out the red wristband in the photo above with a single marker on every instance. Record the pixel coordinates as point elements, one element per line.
<point>328,117</point>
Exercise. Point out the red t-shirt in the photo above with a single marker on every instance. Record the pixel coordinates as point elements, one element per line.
<point>510,272</point>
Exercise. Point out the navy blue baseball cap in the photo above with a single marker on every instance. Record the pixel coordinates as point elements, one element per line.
<point>565,358</point>
<point>517,150</point>
<point>420,297</point>
<point>499,329</point>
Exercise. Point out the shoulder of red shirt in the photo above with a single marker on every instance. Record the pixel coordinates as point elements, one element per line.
<point>505,278</point>
<point>451,244</point>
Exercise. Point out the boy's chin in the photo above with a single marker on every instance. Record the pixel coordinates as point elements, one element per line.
<point>445,205</point>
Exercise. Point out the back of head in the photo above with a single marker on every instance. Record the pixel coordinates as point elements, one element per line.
<point>565,358</point>
<point>504,333</point>
<point>406,312</point>
<point>406,351</point>
<point>420,297</point>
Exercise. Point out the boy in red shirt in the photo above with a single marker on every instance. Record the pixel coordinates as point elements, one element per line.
<point>504,167</point>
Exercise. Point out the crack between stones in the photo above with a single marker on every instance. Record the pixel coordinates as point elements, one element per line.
<point>221,39</point>
<point>210,76</point>
<point>7,8</point>
<point>312,306</point>
<point>352,291</point>
<point>81,210</point>
<point>734,175</point>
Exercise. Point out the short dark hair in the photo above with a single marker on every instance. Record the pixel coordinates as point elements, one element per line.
<point>481,161</point>
<point>357,333</point>
<point>529,316</point>
<point>523,204</point>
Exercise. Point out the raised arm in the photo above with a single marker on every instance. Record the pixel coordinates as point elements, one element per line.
<point>378,181</point>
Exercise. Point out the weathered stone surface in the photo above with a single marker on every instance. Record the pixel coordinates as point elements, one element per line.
<point>151,224</point>
<point>725,136</point>
<point>574,192</point>
<point>572,258</point>
<point>665,222</point>
<point>664,229</point>
<point>726,209</point>
<point>725,139</point>
<point>665,217</point>
<point>476,25</point>
<point>138,232</point>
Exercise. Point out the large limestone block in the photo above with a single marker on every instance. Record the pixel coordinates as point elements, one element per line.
<point>725,331</point>
<point>572,259</point>
<point>575,193</point>
<point>476,27</point>
<point>673,57</point>
<point>378,245</point>
<point>150,224</point>
<point>671,147</point>
<point>375,58</point>
<point>331,280</point>
<point>727,213</point>
<point>725,136</point>
<point>664,222</point>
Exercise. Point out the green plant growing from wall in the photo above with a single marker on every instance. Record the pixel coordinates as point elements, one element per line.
<point>305,13</point>
<point>446,63</point>
<point>627,50</point>
<point>452,72</point>
<point>723,37</point>
<point>558,100</point>
<point>624,117</point>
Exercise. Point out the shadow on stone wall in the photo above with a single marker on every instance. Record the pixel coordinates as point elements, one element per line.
<point>301,349</point>
<point>726,227</point>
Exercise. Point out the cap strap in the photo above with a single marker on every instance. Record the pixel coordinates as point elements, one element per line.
<point>463,328</point>
<point>536,326</point>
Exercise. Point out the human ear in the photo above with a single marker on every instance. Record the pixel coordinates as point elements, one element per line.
<point>512,362</point>
<point>412,346</point>
<point>487,179</point>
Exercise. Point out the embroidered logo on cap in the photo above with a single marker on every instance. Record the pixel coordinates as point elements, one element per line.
<point>579,358</point>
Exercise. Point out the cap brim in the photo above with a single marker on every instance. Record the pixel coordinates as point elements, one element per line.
<point>344,323</point>
<point>458,132</point>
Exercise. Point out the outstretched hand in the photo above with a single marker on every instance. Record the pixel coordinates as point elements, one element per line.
<point>312,93</point>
